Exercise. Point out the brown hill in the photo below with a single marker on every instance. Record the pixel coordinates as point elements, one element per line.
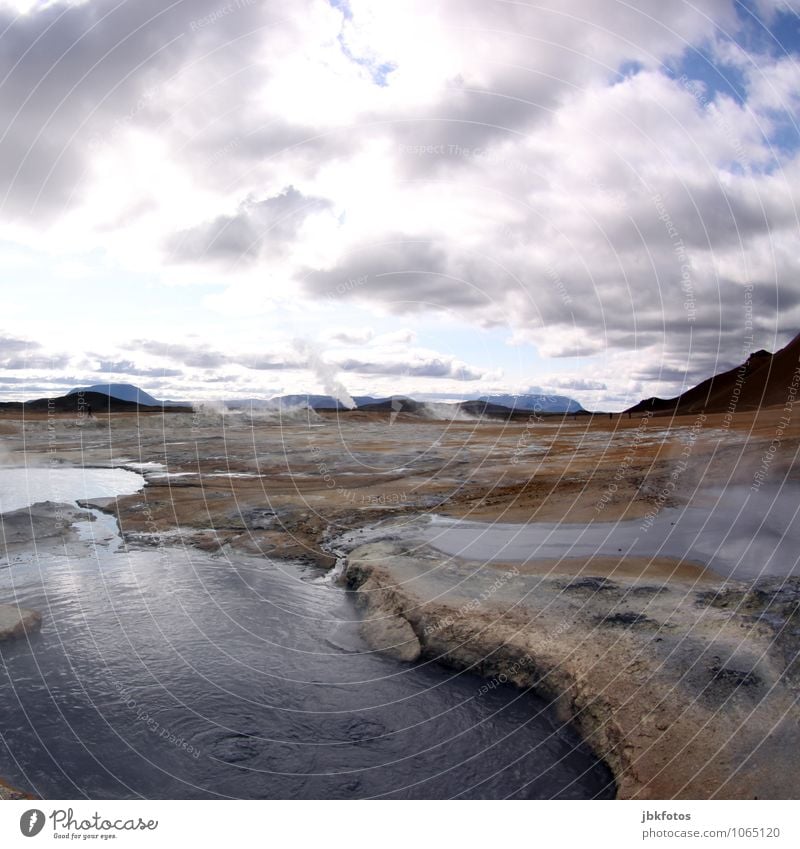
<point>764,380</point>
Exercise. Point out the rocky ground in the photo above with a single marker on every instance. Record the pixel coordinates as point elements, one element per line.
<point>685,690</point>
<point>686,684</point>
<point>8,793</point>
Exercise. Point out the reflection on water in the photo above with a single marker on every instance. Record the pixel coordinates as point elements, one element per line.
<point>171,673</point>
<point>736,531</point>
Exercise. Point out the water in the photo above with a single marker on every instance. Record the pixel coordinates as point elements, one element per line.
<point>736,531</point>
<point>171,673</point>
<point>20,487</point>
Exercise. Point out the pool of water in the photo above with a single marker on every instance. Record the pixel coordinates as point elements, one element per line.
<point>172,674</point>
<point>736,531</point>
<point>20,486</point>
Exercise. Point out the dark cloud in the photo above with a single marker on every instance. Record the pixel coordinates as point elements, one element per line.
<point>404,274</point>
<point>74,76</point>
<point>228,153</point>
<point>581,384</point>
<point>194,357</point>
<point>257,226</point>
<point>355,338</point>
<point>703,216</point>
<point>14,361</point>
<point>434,367</point>
<point>129,367</point>
<point>14,345</point>
<point>55,361</point>
<point>204,357</point>
<point>258,362</point>
<point>38,380</point>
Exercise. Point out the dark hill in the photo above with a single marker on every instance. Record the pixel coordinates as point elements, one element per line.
<point>397,404</point>
<point>486,408</point>
<point>763,380</point>
<point>76,403</point>
<point>121,392</point>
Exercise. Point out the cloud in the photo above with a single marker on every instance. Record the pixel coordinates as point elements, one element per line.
<point>130,368</point>
<point>570,175</point>
<point>405,275</point>
<point>617,245</point>
<point>17,354</point>
<point>56,361</point>
<point>75,77</point>
<point>257,226</point>
<point>578,384</point>
<point>435,367</point>
<point>202,356</point>
<point>36,382</point>
<point>352,337</point>
<point>15,345</point>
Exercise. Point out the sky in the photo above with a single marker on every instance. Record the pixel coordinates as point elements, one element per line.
<point>437,198</point>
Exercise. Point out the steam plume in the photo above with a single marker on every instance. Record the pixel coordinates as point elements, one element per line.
<point>325,372</point>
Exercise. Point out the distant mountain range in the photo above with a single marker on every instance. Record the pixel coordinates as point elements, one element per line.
<point>401,403</point>
<point>316,402</point>
<point>763,380</point>
<point>120,397</point>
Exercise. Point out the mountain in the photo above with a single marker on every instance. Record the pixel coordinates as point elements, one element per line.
<point>316,402</point>
<point>83,401</point>
<point>125,397</point>
<point>120,391</point>
<point>501,405</point>
<point>401,404</point>
<point>763,380</point>
<point>394,404</point>
<point>535,403</point>
<point>485,408</point>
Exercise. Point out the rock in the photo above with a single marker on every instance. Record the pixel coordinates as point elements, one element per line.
<point>384,627</point>
<point>17,621</point>
<point>393,636</point>
<point>704,709</point>
<point>9,792</point>
<point>591,584</point>
<point>47,520</point>
<point>257,518</point>
<point>625,619</point>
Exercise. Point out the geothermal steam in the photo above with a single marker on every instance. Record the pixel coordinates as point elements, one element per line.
<point>325,372</point>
